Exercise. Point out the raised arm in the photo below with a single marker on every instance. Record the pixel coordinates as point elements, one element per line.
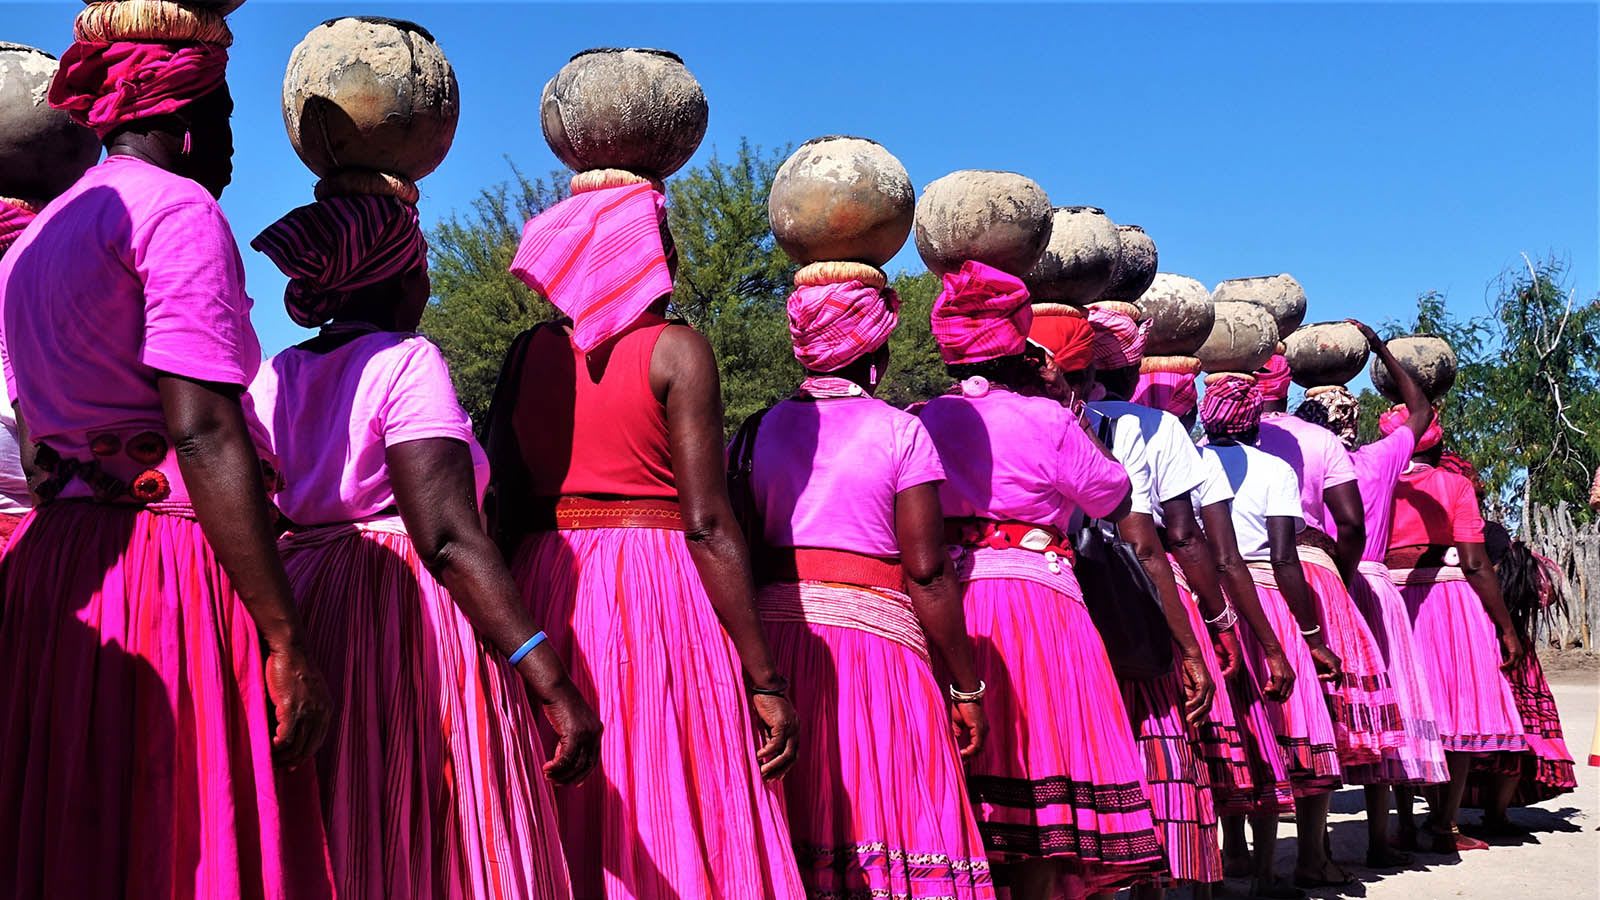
<point>1419,411</point>
<point>1139,530</point>
<point>1235,575</point>
<point>1302,603</point>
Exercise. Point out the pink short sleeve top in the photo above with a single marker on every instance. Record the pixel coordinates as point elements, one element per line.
<point>1318,458</point>
<point>826,472</point>
<point>1378,467</point>
<point>333,415</point>
<point>1435,507</point>
<point>131,272</point>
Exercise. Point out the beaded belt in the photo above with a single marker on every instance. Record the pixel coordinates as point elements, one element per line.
<point>578,513</point>
<point>836,566</point>
<point>880,611</point>
<point>1315,555</point>
<point>1007,535</point>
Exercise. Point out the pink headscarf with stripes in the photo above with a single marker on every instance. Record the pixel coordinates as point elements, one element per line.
<point>1174,392</point>
<point>1231,405</point>
<point>104,85</point>
<point>981,314</point>
<point>833,325</point>
<point>1394,418</point>
<point>12,220</point>
<point>1118,339</point>
<point>598,256</point>
<point>334,247</point>
<point>1273,378</point>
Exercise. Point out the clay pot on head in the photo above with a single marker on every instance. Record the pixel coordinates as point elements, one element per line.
<point>1428,359</point>
<point>1077,262</point>
<point>370,94</point>
<point>841,198</point>
<point>1282,296</point>
<point>1180,314</point>
<point>1242,338</point>
<point>1326,353</point>
<point>634,109</point>
<point>1135,267</point>
<point>42,151</point>
<point>1001,219</point>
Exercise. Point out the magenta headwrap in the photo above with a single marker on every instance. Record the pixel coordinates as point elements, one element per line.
<point>1118,339</point>
<point>12,220</point>
<point>1174,392</point>
<point>1273,378</point>
<point>1231,405</point>
<point>598,256</point>
<point>981,314</point>
<point>104,85</point>
<point>833,325</point>
<point>334,247</point>
<point>1394,418</point>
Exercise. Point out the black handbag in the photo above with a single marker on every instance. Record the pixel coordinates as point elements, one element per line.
<point>1121,598</point>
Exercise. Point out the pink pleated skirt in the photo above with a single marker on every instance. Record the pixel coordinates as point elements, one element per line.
<point>1060,775</point>
<point>877,800</point>
<point>1366,714</point>
<point>431,773</point>
<point>1222,740</point>
<point>1301,723</point>
<point>135,741</point>
<point>1420,760</point>
<point>1546,770</point>
<point>1176,778</point>
<point>1460,653</point>
<point>677,807</point>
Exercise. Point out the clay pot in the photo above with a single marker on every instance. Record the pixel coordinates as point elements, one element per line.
<point>1327,353</point>
<point>841,198</point>
<point>1180,314</point>
<point>370,93</point>
<point>1428,359</point>
<point>1001,219</point>
<point>1077,262</point>
<point>42,152</point>
<point>1241,340</point>
<point>1135,267</point>
<point>1282,296</point>
<point>633,109</point>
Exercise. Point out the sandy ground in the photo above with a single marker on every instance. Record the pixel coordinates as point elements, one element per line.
<point>1561,861</point>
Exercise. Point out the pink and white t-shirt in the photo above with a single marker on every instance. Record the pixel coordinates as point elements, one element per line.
<point>826,473</point>
<point>131,272</point>
<point>1318,458</point>
<point>1176,467</point>
<point>1264,487</point>
<point>333,415</point>
<point>1378,469</point>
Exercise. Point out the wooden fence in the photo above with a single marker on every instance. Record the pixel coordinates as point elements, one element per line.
<point>1575,549</point>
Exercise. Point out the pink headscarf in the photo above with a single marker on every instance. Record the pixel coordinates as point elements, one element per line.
<point>1273,378</point>
<point>1231,405</point>
<point>1068,338</point>
<point>12,220</point>
<point>1118,339</point>
<point>105,85</point>
<point>981,314</point>
<point>1174,392</point>
<point>833,325</point>
<point>334,247</point>
<point>598,256</point>
<point>1394,418</point>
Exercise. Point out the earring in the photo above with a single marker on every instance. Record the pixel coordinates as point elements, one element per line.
<point>188,141</point>
<point>872,373</point>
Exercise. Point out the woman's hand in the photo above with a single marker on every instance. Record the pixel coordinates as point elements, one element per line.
<point>1280,676</point>
<point>1512,651</point>
<point>780,726</point>
<point>1198,688</point>
<point>577,731</point>
<point>1329,668</point>
<point>1229,656</point>
<point>970,725</point>
<point>300,704</point>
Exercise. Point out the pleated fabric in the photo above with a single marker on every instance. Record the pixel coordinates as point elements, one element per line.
<point>1176,778</point>
<point>1222,740</point>
<point>677,807</point>
<point>1460,653</point>
<point>1366,714</point>
<point>431,772</point>
<point>1420,760</point>
<point>1060,775</point>
<point>1546,770</point>
<point>135,746</point>
<point>877,800</point>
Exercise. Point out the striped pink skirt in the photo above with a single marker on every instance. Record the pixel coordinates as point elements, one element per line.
<point>1546,770</point>
<point>877,800</point>
<point>1420,760</point>
<point>677,807</point>
<point>1366,715</point>
<point>1176,779</point>
<point>1060,775</point>
<point>135,746</point>
<point>1222,741</point>
<point>1460,653</point>
<point>431,773</point>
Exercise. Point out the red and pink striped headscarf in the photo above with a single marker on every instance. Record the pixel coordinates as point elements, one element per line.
<point>1394,418</point>
<point>598,256</point>
<point>1273,378</point>
<point>833,325</point>
<point>334,247</point>
<point>1118,339</point>
<point>1174,392</point>
<point>105,85</point>
<point>12,220</point>
<point>1231,405</point>
<point>981,314</point>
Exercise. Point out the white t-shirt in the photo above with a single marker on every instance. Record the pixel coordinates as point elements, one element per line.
<point>1128,446</point>
<point>1264,487</point>
<point>1215,488</point>
<point>14,498</point>
<point>1176,467</point>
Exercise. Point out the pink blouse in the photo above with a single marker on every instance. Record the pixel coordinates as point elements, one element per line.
<point>1318,458</point>
<point>1378,467</point>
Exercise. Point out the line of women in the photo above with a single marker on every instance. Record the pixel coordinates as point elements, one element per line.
<point>275,629</point>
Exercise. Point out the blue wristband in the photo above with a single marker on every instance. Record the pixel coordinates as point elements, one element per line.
<point>527,647</point>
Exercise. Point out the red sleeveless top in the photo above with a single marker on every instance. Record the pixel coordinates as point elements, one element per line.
<point>589,425</point>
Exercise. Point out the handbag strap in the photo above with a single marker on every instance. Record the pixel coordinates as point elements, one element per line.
<point>1106,432</point>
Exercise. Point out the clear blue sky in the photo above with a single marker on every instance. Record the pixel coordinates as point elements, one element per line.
<point>1373,151</point>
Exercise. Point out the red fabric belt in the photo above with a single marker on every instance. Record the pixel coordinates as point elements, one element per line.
<point>1416,557</point>
<point>1007,535</point>
<point>577,513</point>
<point>836,566</point>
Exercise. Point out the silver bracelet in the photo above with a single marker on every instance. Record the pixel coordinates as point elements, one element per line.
<point>968,696</point>
<point>1315,631</point>
<point>1225,620</point>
